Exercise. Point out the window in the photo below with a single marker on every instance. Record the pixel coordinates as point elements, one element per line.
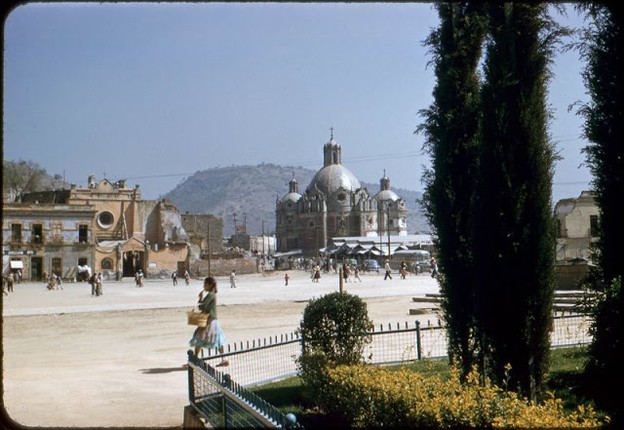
<point>105,219</point>
<point>342,197</point>
<point>593,226</point>
<point>56,229</point>
<point>37,233</point>
<point>57,266</point>
<point>16,233</point>
<point>107,264</point>
<point>83,233</point>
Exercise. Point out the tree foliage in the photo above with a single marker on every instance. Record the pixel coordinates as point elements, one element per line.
<point>489,193</point>
<point>21,177</point>
<point>514,228</point>
<point>336,324</point>
<point>335,330</point>
<point>601,47</point>
<point>451,129</point>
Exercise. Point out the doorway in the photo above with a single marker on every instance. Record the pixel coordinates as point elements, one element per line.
<point>36,268</point>
<point>132,262</point>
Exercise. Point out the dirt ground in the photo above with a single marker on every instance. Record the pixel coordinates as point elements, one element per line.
<point>74,360</point>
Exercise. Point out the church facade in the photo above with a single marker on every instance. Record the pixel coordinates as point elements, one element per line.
<point>335,204</point>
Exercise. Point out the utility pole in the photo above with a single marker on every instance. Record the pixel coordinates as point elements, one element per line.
<point>263,251</point>
<point>208,240</point>
<point>388,220</point>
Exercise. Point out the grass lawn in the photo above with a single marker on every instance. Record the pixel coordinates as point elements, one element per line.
<point>564,380</point>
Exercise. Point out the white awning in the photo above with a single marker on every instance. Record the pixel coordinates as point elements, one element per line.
<point>16,264</point>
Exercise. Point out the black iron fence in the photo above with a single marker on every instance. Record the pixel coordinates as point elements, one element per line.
<point>264,360</point>
<point>226,404</point>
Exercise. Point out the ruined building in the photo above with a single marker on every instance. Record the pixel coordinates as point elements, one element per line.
<point>104,227</point>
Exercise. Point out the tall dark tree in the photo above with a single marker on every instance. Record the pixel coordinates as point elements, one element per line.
<point>514,250</point>
<point>604,121</point>
<point>451,129</point>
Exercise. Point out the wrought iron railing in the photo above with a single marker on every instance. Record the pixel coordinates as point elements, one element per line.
<point>227,404</point>
<point>256,362</point>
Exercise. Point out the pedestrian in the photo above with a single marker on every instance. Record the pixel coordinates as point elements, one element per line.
<point>187,277</point>
<point>98,285</point>
<point>212,335</point>
<point>356,274</point>
<point>10,282</point>
<point>286,279</point>
<point>93,282</point>
<point>4,287</point>
<point>233,279</point>
<point>434,267</point>
<point>20,275</point>
<point>317,274</point>
<point>346,272</point>
<point>174,277</point>
<point>403,270</point>
<point>59,281</point>
<point>388,270</point>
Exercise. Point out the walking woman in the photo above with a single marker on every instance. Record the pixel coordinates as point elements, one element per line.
<point>210,336</point>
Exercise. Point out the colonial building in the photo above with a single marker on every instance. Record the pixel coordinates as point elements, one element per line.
<point>577,221</point>
<point>39,239</point>
<point>104,226</point>
<point>335,204</point>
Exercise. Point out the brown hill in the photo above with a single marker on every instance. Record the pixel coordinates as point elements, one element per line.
<point>246,195</point>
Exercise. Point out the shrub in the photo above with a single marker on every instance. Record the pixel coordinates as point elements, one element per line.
<point>335,330</point>
<point>371,396</point>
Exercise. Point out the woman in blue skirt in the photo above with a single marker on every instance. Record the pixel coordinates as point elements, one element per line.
<point>212,335</point>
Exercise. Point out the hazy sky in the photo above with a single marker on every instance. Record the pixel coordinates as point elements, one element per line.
<point>155,92</point>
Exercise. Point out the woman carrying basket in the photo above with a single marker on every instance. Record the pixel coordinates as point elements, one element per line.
<point>210,336</point>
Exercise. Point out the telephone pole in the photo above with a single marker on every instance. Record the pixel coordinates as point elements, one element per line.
<point>263,251</point>
<point>388,220</point>
<point>208,240</point>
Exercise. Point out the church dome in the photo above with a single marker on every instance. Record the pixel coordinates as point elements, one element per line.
<point>333,177</point>
<point>293,197</point>
<point>386,195</point>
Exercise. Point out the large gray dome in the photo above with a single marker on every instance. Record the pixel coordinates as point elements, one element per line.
<point>333,177</point>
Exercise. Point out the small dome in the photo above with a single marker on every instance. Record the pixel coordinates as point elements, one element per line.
<point>293,197</point>
<point>385,195</point>
<point>333,177</point>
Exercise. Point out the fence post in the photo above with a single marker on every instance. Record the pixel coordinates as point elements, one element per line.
<point>191,384</point>
<point>341,282</point>
<point>418,349</point>
<point>226,417</point>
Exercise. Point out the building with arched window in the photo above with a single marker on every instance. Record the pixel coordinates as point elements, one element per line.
<point>335,204</point>
<point>105,227</point>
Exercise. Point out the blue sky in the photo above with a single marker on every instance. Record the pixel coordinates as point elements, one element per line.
<point>153,92</point>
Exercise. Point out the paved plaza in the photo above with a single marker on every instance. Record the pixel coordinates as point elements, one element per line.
<point>73,359</point>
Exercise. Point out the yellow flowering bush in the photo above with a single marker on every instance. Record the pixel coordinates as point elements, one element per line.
<point>372,396</point>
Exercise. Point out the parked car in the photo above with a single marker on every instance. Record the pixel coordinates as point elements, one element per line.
<point>424,266</point>
<point>371,266</point>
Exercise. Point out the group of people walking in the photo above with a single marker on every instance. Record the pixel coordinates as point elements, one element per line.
<point>96,284</point>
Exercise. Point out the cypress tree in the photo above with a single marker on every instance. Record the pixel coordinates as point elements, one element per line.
<point>514,239</point>
<point>451,128</point>
<point>602,49</point>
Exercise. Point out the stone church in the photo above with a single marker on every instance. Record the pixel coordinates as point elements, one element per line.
<point>335,204</point>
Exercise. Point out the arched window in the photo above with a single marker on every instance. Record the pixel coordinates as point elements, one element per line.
<point>107,264</point>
